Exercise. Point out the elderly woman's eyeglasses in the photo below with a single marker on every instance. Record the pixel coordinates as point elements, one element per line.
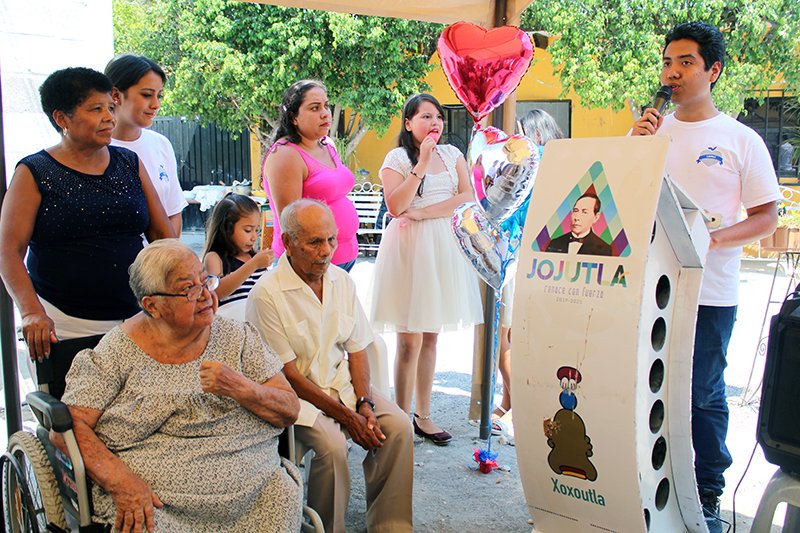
<point>194,292</point>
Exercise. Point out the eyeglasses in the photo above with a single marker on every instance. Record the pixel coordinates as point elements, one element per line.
<point>195,291</point>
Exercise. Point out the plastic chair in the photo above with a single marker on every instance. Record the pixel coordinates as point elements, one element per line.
<point>782,487</point>
<point>312,523</point>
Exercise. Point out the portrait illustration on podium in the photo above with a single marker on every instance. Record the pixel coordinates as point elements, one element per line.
<point>566,434</point>
<point>587,221</point>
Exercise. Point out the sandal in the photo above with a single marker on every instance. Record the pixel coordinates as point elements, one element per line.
<point>498,426</point>
<point>502,410</point>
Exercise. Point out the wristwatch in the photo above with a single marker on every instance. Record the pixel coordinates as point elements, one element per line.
<point>364,399</point>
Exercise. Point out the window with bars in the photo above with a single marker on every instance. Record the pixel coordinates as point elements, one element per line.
<point>776,121</point>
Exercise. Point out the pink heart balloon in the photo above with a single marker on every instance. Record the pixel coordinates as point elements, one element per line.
<point>484,66</point>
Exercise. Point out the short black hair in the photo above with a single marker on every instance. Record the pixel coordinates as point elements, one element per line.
<point>126,70</point>
<point>66,89</point>
<point>708,38</point>
<point>597,203</point>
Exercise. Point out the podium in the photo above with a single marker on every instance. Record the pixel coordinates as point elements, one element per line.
<point>602,341</point>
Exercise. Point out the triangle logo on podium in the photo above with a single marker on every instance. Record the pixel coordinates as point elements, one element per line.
<point>608,226</point>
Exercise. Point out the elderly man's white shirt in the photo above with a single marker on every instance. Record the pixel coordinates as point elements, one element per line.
<point>314,334</point>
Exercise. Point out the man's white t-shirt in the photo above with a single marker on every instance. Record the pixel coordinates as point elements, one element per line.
<point>723,165</point>
<point>158,156</point>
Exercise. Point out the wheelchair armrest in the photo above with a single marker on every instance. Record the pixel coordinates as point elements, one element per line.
<point>51,413</point>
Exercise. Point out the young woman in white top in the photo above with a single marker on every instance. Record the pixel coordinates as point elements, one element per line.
<point>138,89</point>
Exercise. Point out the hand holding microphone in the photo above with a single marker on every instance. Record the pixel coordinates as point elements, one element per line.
<point>649,122</point>
<point>663,96</point>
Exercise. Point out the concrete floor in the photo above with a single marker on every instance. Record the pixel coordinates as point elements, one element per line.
<point>743,376</point>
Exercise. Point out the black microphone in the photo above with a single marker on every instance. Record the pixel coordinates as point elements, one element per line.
<point>663,97</point>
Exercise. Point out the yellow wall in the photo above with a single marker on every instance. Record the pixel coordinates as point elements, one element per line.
<point>255,161</point>
<point>538,84</point>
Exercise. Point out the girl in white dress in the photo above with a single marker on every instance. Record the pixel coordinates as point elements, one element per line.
<point>422,283</point>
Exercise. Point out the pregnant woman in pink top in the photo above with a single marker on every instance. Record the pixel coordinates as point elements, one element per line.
<point>303,163</point>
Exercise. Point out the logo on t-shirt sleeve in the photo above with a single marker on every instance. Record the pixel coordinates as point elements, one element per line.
<point>710,156</point>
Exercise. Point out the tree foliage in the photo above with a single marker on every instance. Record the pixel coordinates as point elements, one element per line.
<point>230,62</point>
<point>609,51</point>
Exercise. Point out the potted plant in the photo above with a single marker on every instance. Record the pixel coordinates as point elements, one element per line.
<point>787,234</point>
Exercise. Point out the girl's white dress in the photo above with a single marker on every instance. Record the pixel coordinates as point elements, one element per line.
<point>422,283</point>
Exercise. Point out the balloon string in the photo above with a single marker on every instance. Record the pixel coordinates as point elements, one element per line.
<point>498,294</point>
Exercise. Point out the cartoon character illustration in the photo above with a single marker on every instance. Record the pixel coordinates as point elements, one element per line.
<point>566,432</point>
<point>569,378</point>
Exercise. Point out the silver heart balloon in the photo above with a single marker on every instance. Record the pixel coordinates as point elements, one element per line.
<point>484,247</point>
<point>507,169</point>
<point>481,138</point>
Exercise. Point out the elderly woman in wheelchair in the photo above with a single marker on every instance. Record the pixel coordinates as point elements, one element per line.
<point>177,412</point>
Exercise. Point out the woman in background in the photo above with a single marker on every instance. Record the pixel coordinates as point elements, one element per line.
<point>138,89</point>
<point>540,127</point>
<point>303,163</point>
<point>422,284</point>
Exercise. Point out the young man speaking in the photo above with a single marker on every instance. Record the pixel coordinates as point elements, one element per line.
<point>724,166</point>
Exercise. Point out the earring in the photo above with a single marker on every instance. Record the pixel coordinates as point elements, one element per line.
<point>64,132</point>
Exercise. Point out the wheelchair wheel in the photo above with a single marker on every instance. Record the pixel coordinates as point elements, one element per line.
<point>38,480</point>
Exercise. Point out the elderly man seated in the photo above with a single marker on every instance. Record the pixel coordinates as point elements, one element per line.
<point>307,310</point>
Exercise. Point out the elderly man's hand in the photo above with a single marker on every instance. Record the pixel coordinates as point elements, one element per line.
<point>220,379</point>
<point>364,429</point>
<point>135,502</point>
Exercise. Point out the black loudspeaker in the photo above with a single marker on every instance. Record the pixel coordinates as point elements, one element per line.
<point>779,417</point>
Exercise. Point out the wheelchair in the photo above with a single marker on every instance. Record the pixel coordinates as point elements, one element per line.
<point>43,487</point>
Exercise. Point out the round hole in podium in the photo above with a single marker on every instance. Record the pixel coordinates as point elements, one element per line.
<point>656,416</point>
<point>662,494</point>
<point>659,453</point>
<point>656,375</point>
<point>658,335</point>
<point>647,519</point>
<point>662,292</point>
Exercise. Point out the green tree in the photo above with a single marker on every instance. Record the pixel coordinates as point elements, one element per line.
<point>609,51</point>
<point>234,60</point>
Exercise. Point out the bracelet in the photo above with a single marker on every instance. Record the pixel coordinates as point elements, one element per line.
<point>364,400</point>
<point>417,175</point>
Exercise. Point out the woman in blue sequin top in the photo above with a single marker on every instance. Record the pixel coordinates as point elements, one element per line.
<point>77,210</point>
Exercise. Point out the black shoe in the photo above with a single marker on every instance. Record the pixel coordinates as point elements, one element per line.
<point>440,439</point>
<point>710,502</point>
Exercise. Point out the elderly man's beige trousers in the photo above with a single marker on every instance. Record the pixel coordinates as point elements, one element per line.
<point>388,471</point>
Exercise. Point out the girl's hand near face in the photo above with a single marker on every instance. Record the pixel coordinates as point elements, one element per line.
<point>426,149</point>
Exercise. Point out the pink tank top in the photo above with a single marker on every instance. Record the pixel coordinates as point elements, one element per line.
<point>330,185</point>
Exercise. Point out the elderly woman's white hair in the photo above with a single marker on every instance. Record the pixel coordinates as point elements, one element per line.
<point>289,224</point>
<point>151,269</point>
